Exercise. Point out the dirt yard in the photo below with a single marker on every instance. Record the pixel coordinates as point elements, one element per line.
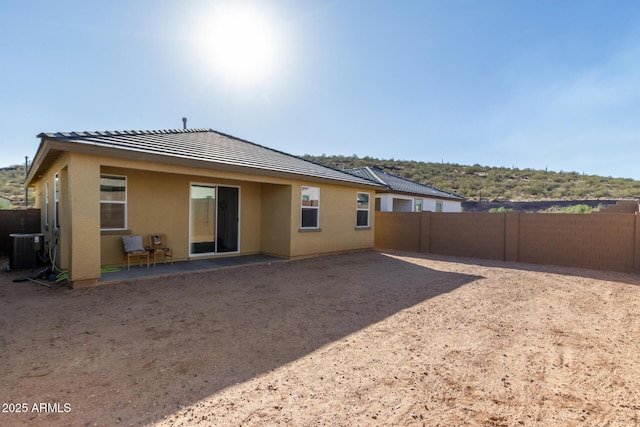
<point>351,340</point>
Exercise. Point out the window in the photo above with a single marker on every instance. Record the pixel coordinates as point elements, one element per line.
<point>438,205</point>
<point>113,202</point>
<point>56,201</point>
<point>362,210</point>
<point>418,205</point>
<point>46,205</point>
<point>310,215</point>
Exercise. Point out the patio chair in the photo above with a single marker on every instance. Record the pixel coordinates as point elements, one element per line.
<point>157,246</point>
<point>133,248</point>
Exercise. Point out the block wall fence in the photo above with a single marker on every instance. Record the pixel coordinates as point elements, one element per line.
<point>17,221</point>
<point>600,242</point>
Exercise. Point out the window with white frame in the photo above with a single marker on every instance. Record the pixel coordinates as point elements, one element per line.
<point>310,205</point>
<point>46,204</point>
<point>439,206</point>
<point>362,210</point>
<point>113,202</point>
<point>56,201</point>
<point>417,205</point>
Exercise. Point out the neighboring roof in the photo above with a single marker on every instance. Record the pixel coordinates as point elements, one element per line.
<point>401,185</point>
<point>199,145</point>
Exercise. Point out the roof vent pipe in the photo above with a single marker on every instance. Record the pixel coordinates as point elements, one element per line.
<point>184,123</point>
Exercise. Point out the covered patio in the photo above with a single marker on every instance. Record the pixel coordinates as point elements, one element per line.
<point>179,267</point>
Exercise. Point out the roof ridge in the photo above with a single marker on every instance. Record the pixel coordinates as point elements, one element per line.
<point>380,180</point>
<point>132,132</point>
<point>450,193</point>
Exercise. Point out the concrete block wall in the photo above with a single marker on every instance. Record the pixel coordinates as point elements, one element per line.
<point>621,206</point>
<point>398,231</point>
<point>467,234</point>
<point>601,242</point>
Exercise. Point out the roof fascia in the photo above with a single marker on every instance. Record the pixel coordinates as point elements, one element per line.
<point>41,154</point>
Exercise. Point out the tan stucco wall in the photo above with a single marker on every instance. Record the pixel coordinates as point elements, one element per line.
<point>270,211</point>
<point>159,203</point>
<point>78,205</point>
<point>338,231</point>
<point>60,167</point>
<point>84,215</point>
<point>276,220</point>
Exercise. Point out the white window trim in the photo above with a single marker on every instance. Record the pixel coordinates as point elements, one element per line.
<point>124,202</point>
<point>56,200</point>
<point>302,207</point>
<point>368,210</point>
<point>46,205</point>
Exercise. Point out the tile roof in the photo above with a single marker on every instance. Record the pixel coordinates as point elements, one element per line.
<point>206,145</point>
<point>401,185</point>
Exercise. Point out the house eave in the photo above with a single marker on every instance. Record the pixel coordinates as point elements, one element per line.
<point>40,159</point>
<point>49,146</point>
<point>424,196</point>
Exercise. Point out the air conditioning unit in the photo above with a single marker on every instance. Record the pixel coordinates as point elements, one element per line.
<point>25,250</point>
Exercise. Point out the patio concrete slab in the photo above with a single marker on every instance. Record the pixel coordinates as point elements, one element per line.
<point>178,267</point>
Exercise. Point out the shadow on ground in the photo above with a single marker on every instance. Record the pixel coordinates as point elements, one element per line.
<point>135,352</point>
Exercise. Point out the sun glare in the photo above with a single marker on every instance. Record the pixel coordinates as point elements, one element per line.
<point>241,42</point>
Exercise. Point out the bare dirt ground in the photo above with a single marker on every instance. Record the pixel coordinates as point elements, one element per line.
<point>361,339</point>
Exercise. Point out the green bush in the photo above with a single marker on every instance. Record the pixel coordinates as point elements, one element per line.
<point>575,209</point>
<point>501,209</point>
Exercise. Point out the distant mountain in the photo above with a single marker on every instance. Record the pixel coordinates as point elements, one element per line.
<point>496,183</point>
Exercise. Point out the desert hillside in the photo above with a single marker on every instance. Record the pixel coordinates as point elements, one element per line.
<point>496,183</point>
<point>491,184</point>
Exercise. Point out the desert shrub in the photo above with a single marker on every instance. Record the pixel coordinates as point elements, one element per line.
<point>581,191</point>
<point>575,209</point>
<point>602,193</point>
<point>536,189</point>
<point>501,209</point>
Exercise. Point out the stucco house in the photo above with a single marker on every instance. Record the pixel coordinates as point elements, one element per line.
<point>211,194</point>
<point>402,195</point>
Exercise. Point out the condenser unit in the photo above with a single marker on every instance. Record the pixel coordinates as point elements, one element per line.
<point>25,250</point>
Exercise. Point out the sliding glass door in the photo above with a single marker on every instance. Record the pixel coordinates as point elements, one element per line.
<point>214,219</point>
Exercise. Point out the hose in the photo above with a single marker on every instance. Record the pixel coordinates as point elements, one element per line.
<point>62,275</point>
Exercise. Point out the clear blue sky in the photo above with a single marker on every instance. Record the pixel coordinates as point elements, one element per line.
<point>530,84</point>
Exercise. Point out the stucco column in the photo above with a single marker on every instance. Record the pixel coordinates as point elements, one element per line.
<point>84,217</point>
